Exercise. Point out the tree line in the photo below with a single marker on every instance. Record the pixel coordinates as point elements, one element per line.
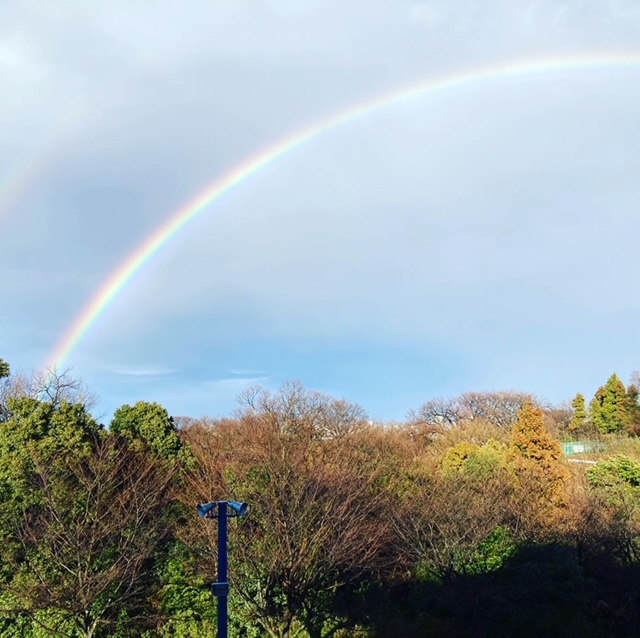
<point>465,520</point>
<point>613,409</point>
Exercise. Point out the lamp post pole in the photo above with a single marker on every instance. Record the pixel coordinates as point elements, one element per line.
<point>222,569</point>
<point>222,510</point>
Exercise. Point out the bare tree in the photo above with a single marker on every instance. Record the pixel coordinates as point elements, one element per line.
<point>316,520</point>
<point>440,411</point>
<point>443,521</point>
<point>499,408</point>
<point>294,409</point>
<point>558,418</point>
<point>52,386</point>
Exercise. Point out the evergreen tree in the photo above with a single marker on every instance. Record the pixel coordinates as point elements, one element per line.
<point>579,413</point>
<point>610,406</point>
<point>537,456</point>
<point>530,439</point>
<point>147,425</point>
<point>82,518</point>
<point>5,371</point>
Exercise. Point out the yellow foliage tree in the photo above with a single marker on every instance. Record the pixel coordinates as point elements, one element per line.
<point>475,461</point>
<point>536,457</point>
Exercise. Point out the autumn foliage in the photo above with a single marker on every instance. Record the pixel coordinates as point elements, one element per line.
<point>467,520</point>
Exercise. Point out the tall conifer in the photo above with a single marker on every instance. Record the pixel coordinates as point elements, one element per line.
<point>537,456</point>
<point>610,406</point>
<point>579,412</point>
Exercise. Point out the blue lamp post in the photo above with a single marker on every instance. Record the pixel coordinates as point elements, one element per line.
<point>222,510</point>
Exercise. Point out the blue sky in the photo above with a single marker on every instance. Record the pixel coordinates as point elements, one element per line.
<point>476,240</point>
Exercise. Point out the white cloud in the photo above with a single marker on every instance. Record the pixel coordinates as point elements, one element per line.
<point>246,373</point>
<point>140,370</point>
<point>444,219</point>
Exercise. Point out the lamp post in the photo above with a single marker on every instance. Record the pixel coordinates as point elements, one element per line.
<point>222,510</point>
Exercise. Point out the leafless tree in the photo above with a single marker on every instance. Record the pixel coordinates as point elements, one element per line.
<point>558,418</point>
<point>499,408</point>
<point>294,409</point>
<point>634,380</point>
<point>52,386</point>
<point>315,522</point>
<point>441,411</point>
<point>443,521</point>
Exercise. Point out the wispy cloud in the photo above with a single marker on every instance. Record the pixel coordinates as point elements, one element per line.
<point>481,220</point>
<point>246,373</point>
<point>140,370</point>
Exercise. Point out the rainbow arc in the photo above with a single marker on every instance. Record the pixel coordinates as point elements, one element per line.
<point>142,255</point>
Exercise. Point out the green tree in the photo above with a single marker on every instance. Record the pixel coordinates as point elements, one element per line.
<point>609,407</point>
<point>183,599</point>
<point>615,489</point>
<point>33,430</point>
<point>37,429</point>
<point>84,515</point>
<point>85,545</point>
<point>617,471</point>
<point>5,371</point>
<point>147,425</point>
<point>480,462</point>
<point>580,413</point>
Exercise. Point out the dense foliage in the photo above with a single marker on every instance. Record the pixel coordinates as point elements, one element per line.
<point>467,520</point>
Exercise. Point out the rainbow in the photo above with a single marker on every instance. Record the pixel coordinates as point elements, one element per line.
<point>16,182</point>
<point>133,264</point>
<point>78,116</point>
